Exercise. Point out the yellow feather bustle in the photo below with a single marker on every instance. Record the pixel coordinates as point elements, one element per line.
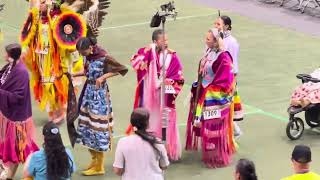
<point>25,39</point>
<point>59,38</point>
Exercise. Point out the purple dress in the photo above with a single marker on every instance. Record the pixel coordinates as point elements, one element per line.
<point>16,124</point>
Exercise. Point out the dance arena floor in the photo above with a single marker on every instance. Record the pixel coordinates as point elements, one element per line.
<point>270,57</point>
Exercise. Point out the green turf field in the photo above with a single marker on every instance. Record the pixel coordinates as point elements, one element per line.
<point>270,57</point>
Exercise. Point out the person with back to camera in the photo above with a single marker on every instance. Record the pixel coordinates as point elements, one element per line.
<point>140,156</point>
<point>245,170</point>
<point>301,159</point>
<point>53,161</point>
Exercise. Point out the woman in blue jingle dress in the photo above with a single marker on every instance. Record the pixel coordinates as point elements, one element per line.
<point>95,115</point>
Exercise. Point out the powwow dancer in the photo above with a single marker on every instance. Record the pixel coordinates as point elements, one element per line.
<point>96,118</point>
<point>211,109</point>
<point>17,130</point>
<point>148,65</point>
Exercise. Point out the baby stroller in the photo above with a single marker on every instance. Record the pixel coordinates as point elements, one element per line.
<point>295,126</point>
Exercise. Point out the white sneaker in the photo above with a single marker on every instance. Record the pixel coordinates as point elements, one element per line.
<point>237,136</point>
<point>236,131</point>
<point>3,172</point>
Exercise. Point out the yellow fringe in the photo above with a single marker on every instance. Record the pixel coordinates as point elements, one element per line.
<point>78,66</point>
<point>31,35</point>
<point>54,64</point>
<point>231,139</point>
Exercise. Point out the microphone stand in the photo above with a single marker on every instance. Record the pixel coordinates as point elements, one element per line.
<point>163,109</point>
<point>160,18</point>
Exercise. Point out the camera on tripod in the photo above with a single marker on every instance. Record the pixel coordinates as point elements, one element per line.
<point>167,9</point>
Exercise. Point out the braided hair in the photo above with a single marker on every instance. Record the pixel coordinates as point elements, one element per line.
<point>140,121</point>
<point>227,21</point>
<point>14,53</point>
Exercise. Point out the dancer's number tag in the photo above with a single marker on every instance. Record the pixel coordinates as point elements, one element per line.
<point>43,52</point>
<point>169,89</point>
<point>211,114</point>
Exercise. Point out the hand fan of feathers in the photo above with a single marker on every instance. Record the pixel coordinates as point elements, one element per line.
<point>67,28</point>
<point>93,11</point>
